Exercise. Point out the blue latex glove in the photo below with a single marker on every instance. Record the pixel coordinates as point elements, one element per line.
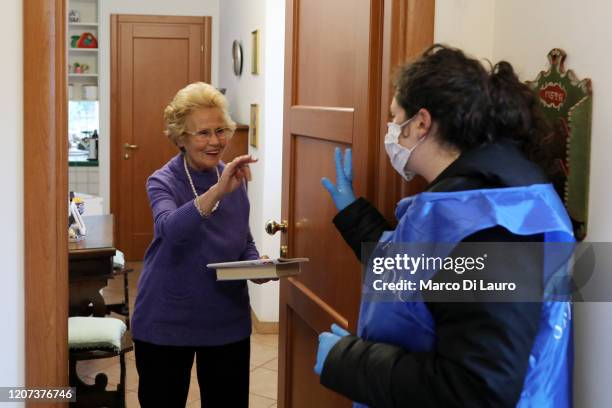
<point>342,192</point>
<point>328,340</point>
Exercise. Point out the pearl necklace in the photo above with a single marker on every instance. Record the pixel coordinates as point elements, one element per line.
<point>195,193</point>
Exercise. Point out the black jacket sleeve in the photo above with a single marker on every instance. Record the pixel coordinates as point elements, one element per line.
<point>360,222</point>
<point>480,358</point>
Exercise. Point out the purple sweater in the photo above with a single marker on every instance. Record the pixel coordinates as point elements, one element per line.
<point>179,301</point>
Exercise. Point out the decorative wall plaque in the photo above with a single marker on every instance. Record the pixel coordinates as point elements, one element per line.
<point>567,104</point>
<point>255,52</point>
<point>254,125</point>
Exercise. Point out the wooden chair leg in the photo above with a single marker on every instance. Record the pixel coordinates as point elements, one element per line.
<point>92,395</point>
<point>121,385</point>
<point>126,297</point>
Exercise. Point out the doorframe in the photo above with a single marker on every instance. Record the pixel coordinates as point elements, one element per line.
<point>408,30</point>
<point>115,143</point>
<point>45,194</point>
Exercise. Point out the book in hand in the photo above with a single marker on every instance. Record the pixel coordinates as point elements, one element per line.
<point>258,268</point>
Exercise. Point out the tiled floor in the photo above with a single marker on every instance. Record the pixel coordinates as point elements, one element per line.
<point>264,361</point>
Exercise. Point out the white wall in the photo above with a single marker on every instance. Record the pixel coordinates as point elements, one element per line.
<point>523,32</point>
<point>238,20</point>
<point>12,360</point>
<point>155,7</point>
<point>466,24</point>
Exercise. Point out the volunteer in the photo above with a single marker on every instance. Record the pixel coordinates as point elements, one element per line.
<point>469,132</point>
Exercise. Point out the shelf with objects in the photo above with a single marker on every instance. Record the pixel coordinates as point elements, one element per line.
<point>82,24</point>
<point>83,81</point>
<point>82,75</point>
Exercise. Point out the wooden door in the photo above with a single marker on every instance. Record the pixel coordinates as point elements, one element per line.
<point>332,63</point>
<point>339,61</point>
<point>152,57</point>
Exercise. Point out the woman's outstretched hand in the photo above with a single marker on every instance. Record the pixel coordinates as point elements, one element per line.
<point>342,193</point>
<point>234,174</point>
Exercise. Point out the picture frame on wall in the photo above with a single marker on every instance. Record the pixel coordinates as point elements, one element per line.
<point>254,126</point>
<point>255,54</point>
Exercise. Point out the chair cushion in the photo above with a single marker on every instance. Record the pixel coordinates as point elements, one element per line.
<point>95,332</point>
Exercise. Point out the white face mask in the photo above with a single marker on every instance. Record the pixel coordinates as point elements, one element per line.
<point>398,154</point>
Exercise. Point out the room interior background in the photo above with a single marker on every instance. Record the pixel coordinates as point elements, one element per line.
<point>519,31</point>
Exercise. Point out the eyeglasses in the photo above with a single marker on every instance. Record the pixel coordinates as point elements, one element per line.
<point>206,134</point>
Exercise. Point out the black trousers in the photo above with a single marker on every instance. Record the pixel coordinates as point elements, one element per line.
<point>165,373</point>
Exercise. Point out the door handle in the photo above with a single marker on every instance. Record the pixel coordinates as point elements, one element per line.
<point>128,146</point>
<point>272,227</point>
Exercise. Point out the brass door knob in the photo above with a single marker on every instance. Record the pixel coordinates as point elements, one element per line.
<point>130,146</point>
<point>272,227</point>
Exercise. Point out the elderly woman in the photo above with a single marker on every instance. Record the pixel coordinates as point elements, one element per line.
<point>201,215</point>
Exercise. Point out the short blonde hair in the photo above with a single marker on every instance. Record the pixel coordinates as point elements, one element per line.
<point>194,96</point>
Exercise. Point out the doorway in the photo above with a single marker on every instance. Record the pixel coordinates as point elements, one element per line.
<point>398,28</point>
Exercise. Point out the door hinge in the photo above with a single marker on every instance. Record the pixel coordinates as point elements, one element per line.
<point>202,48</point>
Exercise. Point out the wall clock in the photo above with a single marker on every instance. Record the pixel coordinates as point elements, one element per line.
<point>237,57</point>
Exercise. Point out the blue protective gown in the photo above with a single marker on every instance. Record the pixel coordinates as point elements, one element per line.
<point>452,216</point>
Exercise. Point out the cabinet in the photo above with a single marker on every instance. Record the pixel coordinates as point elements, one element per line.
<point>82,42</point>
<point>83,52</point>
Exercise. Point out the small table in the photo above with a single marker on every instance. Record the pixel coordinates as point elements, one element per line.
<point>90,265</point>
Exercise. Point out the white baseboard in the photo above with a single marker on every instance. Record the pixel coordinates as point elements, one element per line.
<point>263,327</point>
